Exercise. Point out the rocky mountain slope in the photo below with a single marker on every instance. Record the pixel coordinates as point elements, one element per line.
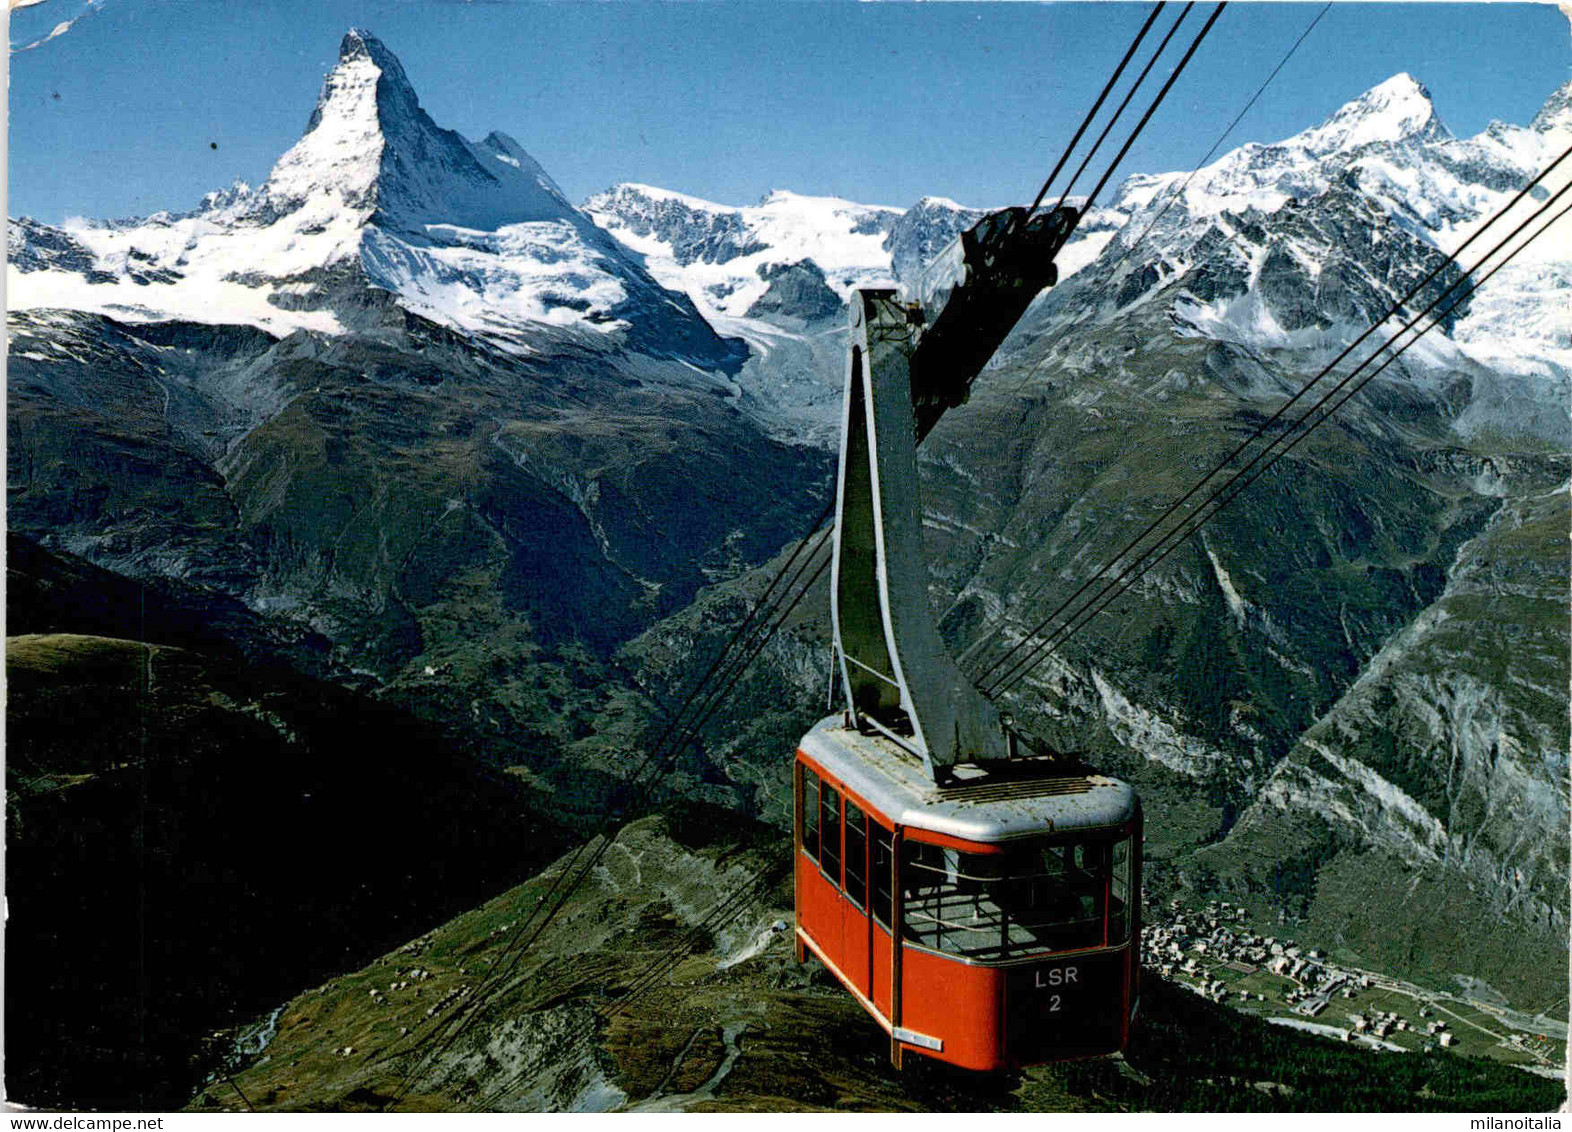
<point>406,419</point>
<point>191,838</point>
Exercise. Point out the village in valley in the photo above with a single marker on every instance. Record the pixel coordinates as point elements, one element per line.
<point>1214,951</point>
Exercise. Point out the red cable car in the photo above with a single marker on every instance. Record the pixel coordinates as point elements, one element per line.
<point>983,905</point>
<point>1017,915</point>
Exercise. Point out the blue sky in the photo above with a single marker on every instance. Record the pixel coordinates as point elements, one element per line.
<point>881,103</point>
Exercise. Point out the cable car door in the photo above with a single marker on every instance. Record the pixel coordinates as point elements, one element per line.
<point>882,948</point>
<point>856,930</point>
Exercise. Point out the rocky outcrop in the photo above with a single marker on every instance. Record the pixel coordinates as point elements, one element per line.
<point>797,290</point>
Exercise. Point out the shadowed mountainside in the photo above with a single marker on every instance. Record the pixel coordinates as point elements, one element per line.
<point>191,838</point>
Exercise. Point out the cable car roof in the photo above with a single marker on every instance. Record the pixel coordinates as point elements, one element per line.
<point>986,803</point>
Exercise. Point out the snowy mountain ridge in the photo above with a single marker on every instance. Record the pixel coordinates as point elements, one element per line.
<point>721,255</point>
<point>478,237</point>
<point>715,252</point>
<point>1390,143</point>
<point>1303,243</point>
<point>473,235</point>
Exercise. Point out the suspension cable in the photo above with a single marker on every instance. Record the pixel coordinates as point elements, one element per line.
<point>1156,102</point>
<point>1031,373</point>
<point>1119,110</point>
<point>1222,137</point>
<point>1096,106</point>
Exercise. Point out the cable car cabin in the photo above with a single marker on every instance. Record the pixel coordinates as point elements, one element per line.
<point>1012,891</point>
<point>982,906</point>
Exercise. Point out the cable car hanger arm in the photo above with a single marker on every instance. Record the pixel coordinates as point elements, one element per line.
<point>968,299</point>
<point>912,357</point>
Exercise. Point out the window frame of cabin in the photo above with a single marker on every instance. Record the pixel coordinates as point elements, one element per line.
<point>859,901</point>
<point>881,903</point>
<point>826,815</point>
<point>809,815</point>
<point>974,877</point>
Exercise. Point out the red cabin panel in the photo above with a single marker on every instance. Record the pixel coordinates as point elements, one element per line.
<point>856,962</point>
<point>818,907</point>
<point>881,971</point>
<point>957,1003</point>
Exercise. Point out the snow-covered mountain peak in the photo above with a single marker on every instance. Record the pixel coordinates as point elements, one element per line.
<point>1389,141</point>
<point>944,204</point>
<point>338,158</point>
<point>1309,240</point>
<point>370,148</point>
<point>1396,110</point>
<point>360,45</point>
<point>239,196</point>
<point>375,207</point>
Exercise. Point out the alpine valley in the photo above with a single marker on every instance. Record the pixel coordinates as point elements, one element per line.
<point>364,525</point>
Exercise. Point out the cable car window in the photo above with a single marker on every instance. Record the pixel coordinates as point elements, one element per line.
<point>856,854</point>
<point>1037,897</point>
<point>810,813</point>
<point>1119,894</point>
<point>830,832</point>
<point>881,861</point>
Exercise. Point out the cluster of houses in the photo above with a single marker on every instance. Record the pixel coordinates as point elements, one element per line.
<point>1189,940</point>
<point>1191,945</point>
<point>1380,1023</point>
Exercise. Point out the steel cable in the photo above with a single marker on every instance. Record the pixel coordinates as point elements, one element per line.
<point>1096,106</point>
<point>1130,94</point>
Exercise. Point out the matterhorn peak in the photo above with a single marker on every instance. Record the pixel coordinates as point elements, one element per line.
<point>337,163</point>
<point>1396,110</point>
<point>358,43</point>
<point>394,92</point>
<point>370,152</point>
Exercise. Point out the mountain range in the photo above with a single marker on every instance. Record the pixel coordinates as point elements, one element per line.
<point>406,419</point>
